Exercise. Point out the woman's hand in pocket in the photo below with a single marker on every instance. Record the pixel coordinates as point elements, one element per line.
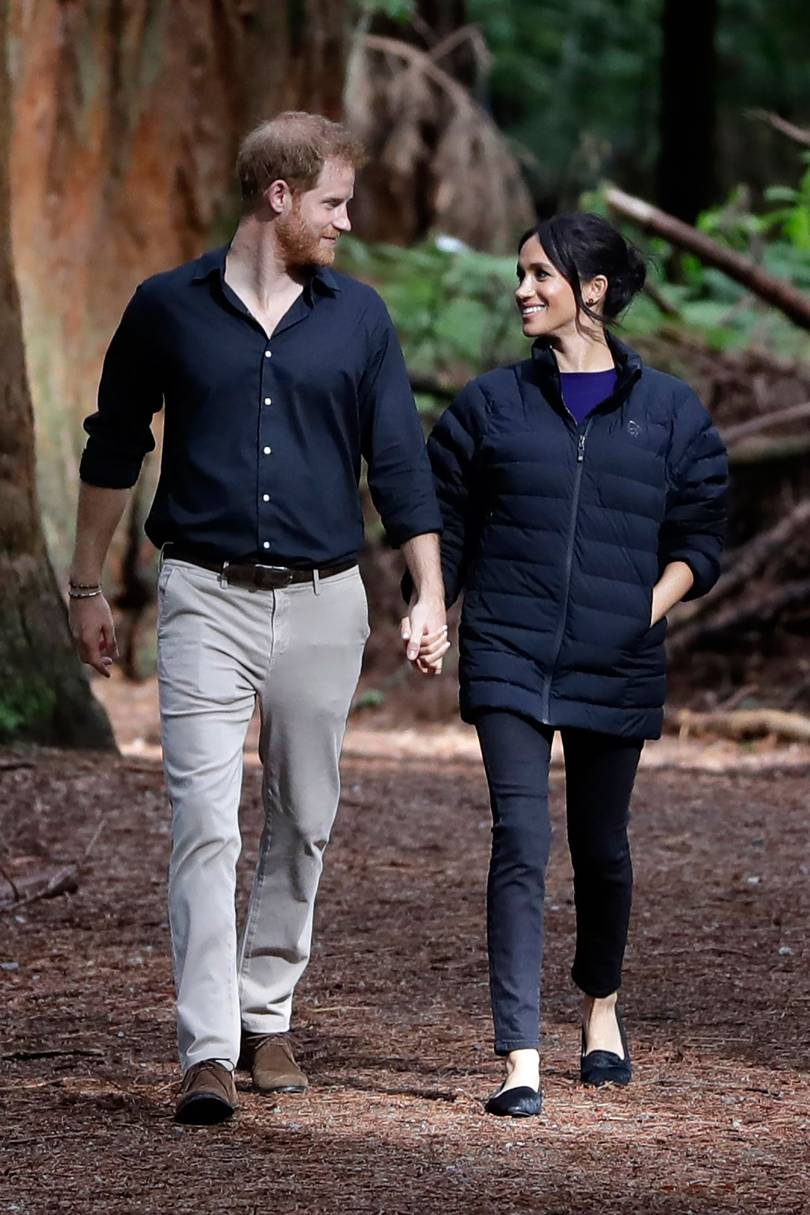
<point>675,582</point>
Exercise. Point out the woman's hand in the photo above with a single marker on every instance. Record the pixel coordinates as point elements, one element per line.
<point>424,631</point>
<point>675,582</point>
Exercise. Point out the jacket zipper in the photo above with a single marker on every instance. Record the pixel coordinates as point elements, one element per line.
<point>569,561</point>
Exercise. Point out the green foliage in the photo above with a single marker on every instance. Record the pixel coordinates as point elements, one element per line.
<point>397,10</point>
<point>26,708</point>
<point>577,85</point>
<point>793,219</point>
<point>454,310</point>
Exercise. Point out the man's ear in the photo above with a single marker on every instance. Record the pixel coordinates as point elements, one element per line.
<point>278,196</point>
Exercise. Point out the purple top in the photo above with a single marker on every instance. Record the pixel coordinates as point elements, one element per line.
<point>582,391</point>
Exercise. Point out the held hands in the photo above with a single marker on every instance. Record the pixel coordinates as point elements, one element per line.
<point>93,632</point>
<point>424,631</point>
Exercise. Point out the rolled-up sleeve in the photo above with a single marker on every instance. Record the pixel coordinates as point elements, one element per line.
<point>399,476</point>
<point>130,393</point>
<point>694,528</point>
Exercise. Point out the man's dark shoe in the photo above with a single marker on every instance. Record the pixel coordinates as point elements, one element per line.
<point>272,1063</point>
<point>207,1094</point>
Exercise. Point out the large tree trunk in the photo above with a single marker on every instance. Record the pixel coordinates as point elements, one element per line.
<point>44,695</point>
<point>127,118</point>
<point>687,114</point>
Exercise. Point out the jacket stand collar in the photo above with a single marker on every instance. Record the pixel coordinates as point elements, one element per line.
<point>547,372</point>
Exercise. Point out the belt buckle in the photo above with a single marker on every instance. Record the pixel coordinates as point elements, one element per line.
<point>272,577</point>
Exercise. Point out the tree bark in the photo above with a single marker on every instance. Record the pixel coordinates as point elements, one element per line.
<point>687,111</point>
<point>44,694</point>
<point>127,117</point>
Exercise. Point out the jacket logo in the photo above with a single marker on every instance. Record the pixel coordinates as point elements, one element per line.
<point>633,429</point>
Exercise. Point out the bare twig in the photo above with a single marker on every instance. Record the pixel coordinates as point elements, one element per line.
<point>19,1056</point>
<point>797,134</point>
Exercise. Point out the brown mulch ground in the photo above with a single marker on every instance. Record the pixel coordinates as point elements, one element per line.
<point>392,1018</point>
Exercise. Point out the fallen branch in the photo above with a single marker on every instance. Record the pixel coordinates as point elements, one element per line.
<point>46,885</point>
<point>746,723</point>
<point>797,134</point>
<point>743,567</point>
<point>774,291</point>
<point>755,616</point>
<point>20,1056</point>
<point>768,451</point>
<point>32,886</point>
<point>779,417</point>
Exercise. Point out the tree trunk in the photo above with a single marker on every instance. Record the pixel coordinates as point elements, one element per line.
<point>687,113</point>
<point>44,695</point>
<point>127,117</point>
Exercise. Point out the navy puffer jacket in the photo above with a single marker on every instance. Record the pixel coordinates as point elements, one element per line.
<point>557,534</point>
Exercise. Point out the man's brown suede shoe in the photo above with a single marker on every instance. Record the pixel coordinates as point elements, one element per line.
<point>272,1063</point>
<point>207,1094</point>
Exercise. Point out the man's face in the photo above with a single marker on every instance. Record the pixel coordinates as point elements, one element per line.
<point>308,233</point>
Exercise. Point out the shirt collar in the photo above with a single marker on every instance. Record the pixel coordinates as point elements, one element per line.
<point>213,262</point>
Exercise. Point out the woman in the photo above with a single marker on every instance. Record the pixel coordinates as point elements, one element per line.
<point>583,496</point>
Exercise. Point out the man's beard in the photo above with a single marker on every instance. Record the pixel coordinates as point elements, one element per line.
<point>299,245</point>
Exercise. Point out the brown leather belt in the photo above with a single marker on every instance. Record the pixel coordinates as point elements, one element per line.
<point>253,573</point>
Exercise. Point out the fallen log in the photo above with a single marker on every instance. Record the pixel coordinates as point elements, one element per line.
<point>774,291</point>
<point>745,723</point>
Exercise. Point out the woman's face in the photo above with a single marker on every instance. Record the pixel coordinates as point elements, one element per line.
<point>544,297</point>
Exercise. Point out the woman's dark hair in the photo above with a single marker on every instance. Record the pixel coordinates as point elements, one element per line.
<point>581,245</point>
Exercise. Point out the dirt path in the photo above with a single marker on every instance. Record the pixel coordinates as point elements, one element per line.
<point>392,1020</point>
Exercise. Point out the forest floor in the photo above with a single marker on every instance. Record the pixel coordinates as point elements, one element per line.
<point>392,1018</point>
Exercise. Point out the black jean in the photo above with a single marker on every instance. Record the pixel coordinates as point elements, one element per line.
<point>600,770</point>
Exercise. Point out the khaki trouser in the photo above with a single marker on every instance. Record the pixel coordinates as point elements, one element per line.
<point>220,647</point>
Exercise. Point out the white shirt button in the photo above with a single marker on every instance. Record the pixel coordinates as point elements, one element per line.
<point>265,497</point>
<point>268,354</point>
<point>266,544</point>
<point>267,450</point>
<point>267,401</point>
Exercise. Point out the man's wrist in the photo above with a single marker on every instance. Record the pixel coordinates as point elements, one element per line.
<point>429,594</point>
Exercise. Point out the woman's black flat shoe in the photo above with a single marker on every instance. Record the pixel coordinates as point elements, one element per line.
<point>520,1102</point>
<point>605,1066</point>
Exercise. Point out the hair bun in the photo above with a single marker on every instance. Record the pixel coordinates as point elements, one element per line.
<point>636,274</point>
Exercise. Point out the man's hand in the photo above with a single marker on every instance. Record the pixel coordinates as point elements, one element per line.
<point>424,631</point>
<point>93,632</point>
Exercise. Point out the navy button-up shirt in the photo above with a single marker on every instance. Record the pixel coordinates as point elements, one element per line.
<point>263,436</point>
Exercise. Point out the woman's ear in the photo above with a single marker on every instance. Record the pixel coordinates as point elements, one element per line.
<point>594,291</point>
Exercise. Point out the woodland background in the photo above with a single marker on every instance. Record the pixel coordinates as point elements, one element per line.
<point>688,123</point>
<point>120,125</point>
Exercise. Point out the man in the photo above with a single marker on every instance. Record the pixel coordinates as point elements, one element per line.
<point>276,374</point>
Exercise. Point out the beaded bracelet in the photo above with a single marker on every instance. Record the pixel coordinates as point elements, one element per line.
<point>83,586</point>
